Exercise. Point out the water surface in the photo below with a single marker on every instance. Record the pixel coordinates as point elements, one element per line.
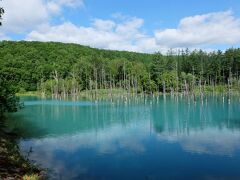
<point>137,138</point>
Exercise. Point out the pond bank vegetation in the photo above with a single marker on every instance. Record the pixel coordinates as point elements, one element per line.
<point>12,164</point>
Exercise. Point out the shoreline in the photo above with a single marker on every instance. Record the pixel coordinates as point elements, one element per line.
<point>106,93</point>
<point>12,164</point>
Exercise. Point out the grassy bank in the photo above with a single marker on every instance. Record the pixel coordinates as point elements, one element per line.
<point>118,92</point>
<point>12,164</point>
<point>83,94</point>
<point>29,93</point>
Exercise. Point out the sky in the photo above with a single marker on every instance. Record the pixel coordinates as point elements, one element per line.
<point>133,25</point>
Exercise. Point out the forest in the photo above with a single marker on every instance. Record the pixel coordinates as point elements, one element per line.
<point>60,69</point>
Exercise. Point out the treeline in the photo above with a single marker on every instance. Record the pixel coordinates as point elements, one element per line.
<point>68,69</point>
<point>8,101</point>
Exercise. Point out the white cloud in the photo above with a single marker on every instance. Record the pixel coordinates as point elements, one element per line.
<point>105,34</point>
<point>122,32</point>
<point>105,25</point>
<point>220,28</point>
<point>21,17</point>
<point>200,31</point>
<point>198,141</point>
<point>70,3</point>
<point>131,28</point>
<point>55,6</point>
<point>68,32</point>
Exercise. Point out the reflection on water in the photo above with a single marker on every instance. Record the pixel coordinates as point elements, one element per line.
<point>141,138</point>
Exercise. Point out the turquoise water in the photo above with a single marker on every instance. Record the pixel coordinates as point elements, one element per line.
<point>137,138</point>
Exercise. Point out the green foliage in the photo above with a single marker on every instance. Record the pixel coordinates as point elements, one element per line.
<point>27,63</point>
<point>69,68</point>
<point>170,79</point>
<point>8,101</point>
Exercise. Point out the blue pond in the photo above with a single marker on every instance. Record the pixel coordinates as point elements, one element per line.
<point>141,138</point>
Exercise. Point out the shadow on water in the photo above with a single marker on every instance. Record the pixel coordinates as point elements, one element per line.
<point>41,118</point>
<point>22,128</point>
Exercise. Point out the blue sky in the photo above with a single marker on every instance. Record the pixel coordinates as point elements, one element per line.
<point>143,26</point>
<point>156,13</point>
